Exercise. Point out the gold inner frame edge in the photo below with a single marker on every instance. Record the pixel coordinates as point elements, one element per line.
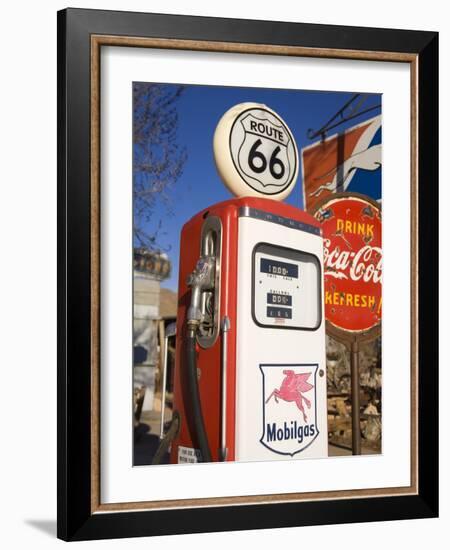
<point>97,41</point>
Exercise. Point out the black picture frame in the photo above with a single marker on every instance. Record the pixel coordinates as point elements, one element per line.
<point>77,518</point>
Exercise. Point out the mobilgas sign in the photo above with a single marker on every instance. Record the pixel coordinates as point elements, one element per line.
<point>289,408</point>
<point>351,227</point>
<point>255,152</point>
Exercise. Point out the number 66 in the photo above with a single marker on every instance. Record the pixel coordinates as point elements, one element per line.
<point>273,162</point>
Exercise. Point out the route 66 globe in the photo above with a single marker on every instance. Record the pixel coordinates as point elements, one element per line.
<point>255,152</point>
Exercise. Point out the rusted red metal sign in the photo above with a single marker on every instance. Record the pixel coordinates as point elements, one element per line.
<point>351,227</point>
<point>346,162</point>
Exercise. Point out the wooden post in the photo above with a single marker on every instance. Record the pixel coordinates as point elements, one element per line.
<point>354,373</point>
<point>162,336</point>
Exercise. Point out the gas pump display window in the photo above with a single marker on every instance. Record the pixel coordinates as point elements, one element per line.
<point>286,288</point>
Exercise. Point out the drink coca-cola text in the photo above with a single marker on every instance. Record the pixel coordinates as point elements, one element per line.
<point>353,259</point>
<point>365,264</point>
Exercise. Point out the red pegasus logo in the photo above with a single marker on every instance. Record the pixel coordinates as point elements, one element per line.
<point>292,389</point>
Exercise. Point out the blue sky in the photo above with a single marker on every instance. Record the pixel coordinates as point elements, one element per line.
<point>199,109</point>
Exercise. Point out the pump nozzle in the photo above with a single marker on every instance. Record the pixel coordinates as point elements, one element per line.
<point>200,280</point>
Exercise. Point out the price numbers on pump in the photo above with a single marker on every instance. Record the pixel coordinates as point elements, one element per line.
<point>279,299</point>
<point>274,267</point>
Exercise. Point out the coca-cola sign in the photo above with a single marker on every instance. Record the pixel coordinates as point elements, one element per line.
<point>351,226</point>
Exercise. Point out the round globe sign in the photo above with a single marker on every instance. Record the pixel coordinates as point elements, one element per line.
<point>351,228</point>
<point>255,152</point>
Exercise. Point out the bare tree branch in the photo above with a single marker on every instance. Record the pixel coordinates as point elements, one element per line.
<point>158,160</point>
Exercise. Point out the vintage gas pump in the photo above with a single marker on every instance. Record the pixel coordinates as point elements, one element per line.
<point>250,380</point>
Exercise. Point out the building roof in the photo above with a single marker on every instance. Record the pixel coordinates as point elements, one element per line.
<point>168,303</point>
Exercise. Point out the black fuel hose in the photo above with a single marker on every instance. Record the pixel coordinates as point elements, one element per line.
<point>196,407</point>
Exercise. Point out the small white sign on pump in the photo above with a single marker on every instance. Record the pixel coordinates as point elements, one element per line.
<point>255,152</point>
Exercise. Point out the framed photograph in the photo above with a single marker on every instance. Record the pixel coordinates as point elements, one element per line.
<point>247,255</point>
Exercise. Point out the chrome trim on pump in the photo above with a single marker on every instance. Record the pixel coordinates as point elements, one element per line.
<point>211,246</point>
<point>248,212</point>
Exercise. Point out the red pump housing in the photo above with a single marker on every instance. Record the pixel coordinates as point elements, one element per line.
<point>209,359</point>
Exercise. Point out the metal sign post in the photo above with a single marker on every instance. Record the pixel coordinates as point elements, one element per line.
<point>354,373</point>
